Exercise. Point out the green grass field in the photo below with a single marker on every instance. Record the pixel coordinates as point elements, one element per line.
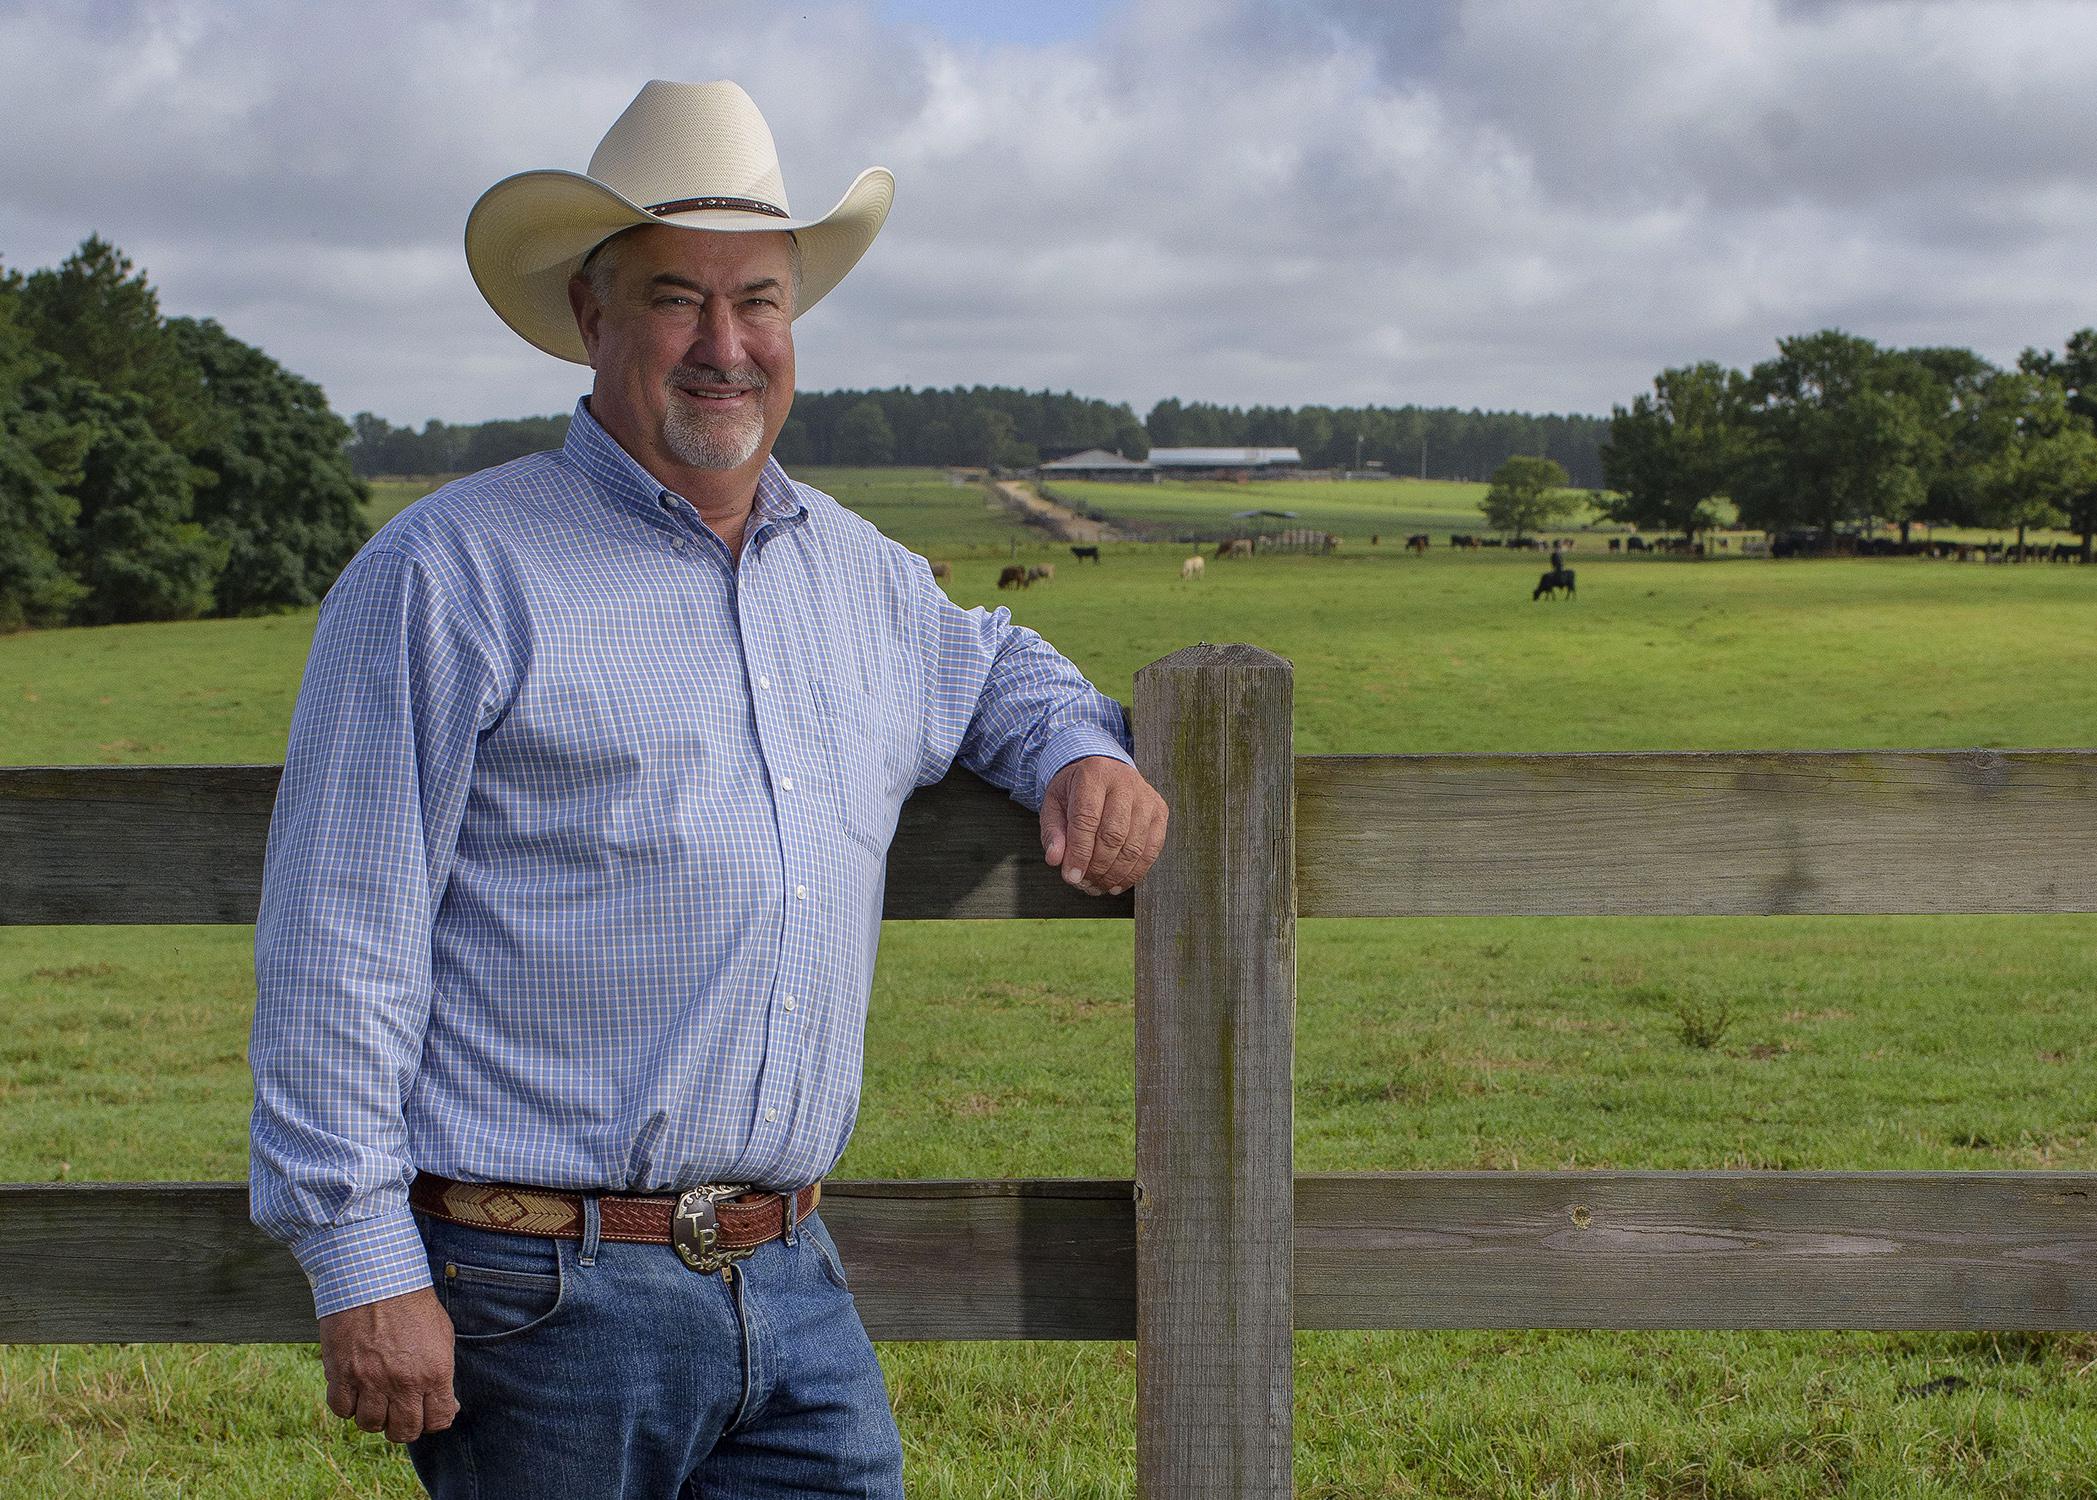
<point>1353,509</point>
<point>1007,1050</point>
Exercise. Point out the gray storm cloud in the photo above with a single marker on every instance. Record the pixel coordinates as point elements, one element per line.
<point>1518,205</point>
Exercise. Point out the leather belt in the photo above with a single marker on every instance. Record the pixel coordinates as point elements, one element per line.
<point>708,1227</point>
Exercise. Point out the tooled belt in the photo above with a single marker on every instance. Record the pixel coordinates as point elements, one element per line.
<point>707,1226</point>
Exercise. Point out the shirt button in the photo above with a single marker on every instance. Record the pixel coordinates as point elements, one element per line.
<point>678,545</point>
<point>800,893</point>
<point>786,783</point>
<point>771,1114</point>
<point>789,1003</point>
<point>764,682</point>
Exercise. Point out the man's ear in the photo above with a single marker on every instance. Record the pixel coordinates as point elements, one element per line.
<point>582,301</point>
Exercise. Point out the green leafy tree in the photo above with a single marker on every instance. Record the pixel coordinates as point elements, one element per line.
<point>1837,435</point>
<point>1672,455</point>
<point>2076,369</point>
<point>2038,456</point>
<point>1528,494</point>
<point>135,549</point>
<point>864,436</point>
<point>40,455</point>
<point>99,321</point>
<point>280,495</point>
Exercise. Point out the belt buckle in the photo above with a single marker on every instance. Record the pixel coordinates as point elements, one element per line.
<point>695,1228</point>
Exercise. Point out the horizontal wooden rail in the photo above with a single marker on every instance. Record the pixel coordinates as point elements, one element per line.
<point>111,844</point>
<point>179,1262</point>
<point>1755,833</point>
<point>1748,833</point>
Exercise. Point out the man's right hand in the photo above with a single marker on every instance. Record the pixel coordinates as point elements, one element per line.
<point>388,1365</point>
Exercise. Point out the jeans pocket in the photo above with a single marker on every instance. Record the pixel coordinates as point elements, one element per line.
<point>488,1302</point>
<point>826,1249</point>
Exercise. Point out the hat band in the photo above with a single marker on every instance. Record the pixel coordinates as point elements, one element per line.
<point>744,205</point>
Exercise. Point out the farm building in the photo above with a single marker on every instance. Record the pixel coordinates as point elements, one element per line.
<point>1098,463</point>
<point>1225,463</point>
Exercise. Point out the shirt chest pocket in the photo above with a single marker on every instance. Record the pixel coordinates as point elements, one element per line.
<point>872,741</point>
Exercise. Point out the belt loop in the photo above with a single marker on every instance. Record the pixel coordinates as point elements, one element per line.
<point>591,1226</point>
<point>787,1207</point>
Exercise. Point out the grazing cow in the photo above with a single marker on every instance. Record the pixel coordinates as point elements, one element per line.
<point>942,570</point>
<point>1081,553</point>
<point>1237,546</point>
<point>1616,544</point>
<point>1417,542</point>
<point>1041,574</point>
<point>1014,577</point>
<point>1635,544</point>
<point>1552,582</point>
<point>1192,568</point>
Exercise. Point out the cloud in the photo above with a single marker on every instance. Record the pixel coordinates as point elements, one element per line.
<point>1524,204</point>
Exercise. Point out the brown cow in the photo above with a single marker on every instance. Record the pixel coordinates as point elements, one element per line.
<point>942,570</point>
<point>1013,577</point>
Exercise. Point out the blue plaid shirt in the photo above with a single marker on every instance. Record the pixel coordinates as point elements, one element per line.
<point>575,874</point>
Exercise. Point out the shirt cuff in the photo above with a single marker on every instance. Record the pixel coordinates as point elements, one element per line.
<point>367,1261</point>
<point>1074,742</point>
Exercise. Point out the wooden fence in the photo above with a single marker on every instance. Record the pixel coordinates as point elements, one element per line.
<point>1217,1249</point>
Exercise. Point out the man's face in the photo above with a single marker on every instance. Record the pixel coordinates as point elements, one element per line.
<point>693,346</point>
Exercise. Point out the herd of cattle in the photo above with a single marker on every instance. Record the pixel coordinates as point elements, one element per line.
<point>1560,579</point>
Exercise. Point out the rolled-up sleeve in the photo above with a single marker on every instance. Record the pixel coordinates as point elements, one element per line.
<point>396,690</point>
<point>1004,702</point>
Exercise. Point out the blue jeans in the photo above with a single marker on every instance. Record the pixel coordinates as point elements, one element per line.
<point>590,1369</point>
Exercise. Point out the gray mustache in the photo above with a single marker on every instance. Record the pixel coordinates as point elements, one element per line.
<point>684,375</point>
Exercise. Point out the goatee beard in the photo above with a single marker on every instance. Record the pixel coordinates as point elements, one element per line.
<point>723,440</point>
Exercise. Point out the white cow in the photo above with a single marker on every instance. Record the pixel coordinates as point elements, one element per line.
<point>1193,567</point>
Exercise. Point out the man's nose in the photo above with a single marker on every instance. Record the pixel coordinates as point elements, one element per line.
<point>716,341</point>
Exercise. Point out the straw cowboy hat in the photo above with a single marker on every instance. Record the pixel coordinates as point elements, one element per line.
<point>696,155</point>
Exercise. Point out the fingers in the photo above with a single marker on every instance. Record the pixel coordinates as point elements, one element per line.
<point>439,1410</point>
<point>1052,821</point>
<point>1140,848</point>
<point>389,1365</point>
<point>1109,822</point>
<point>1081,825</point>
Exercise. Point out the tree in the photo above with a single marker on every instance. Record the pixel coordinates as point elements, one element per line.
<point>100,322</point>
<point>1528,494</point>
<point>1836,436</point>
<point>864,436</point>
<point>135,549</point>
<point>40,455</point>
<point>280,494</point>
<point>2076,369</point>
<point>2038,456</point>
<point>1673,454</point>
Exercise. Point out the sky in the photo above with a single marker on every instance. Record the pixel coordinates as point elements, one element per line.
<point>1521,205</point>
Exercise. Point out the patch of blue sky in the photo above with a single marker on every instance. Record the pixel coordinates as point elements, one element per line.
<point>1022,22</point>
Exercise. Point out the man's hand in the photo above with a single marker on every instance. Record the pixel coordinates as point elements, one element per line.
<point>388,1365</point>
<point>1102,823</point>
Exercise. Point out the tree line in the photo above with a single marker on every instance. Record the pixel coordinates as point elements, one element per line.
<point>156,468</point>
<point>1003,427</point>
<point>1834,433</point>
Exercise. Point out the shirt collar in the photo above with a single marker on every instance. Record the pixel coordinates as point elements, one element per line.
<point>629,487</point>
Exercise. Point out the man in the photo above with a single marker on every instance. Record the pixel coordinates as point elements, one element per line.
<point>574,881</point>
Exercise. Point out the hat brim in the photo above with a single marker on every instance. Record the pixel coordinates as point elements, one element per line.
<point>528,235</point>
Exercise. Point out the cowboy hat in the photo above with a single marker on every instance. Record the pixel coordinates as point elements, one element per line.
<point>696,155</point>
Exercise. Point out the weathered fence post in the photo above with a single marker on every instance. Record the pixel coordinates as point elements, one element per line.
<point>1215,1045</point>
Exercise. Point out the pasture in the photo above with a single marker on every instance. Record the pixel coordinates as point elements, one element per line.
<point>1007,1050</point>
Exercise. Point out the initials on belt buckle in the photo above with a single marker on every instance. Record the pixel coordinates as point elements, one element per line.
<point>695,1229</point>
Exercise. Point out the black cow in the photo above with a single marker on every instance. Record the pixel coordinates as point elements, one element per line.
<point>1551,582</point>
<point>1081,553</point>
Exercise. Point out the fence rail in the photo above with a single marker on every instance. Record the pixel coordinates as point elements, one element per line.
<point>1056,1259</point>
<point>1745,833</point>
<point>1217,1249</point>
